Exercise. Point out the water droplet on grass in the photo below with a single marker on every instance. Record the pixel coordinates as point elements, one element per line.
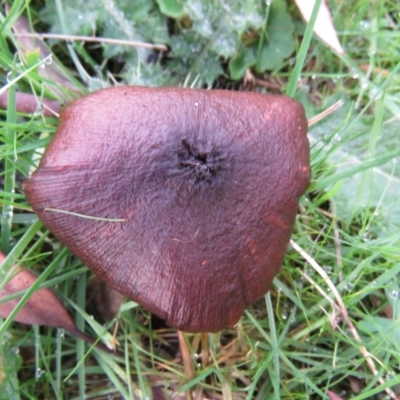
<point>394,294</point>
<point>364,83</point>
<point>48,60</point>
<point>389,376</point>
<point>365,24</point>
<point>327,269</point>
<point>299,283</point>
<point>7,214</point>
<point>337,138</point>
<point>39,373</point>
<point>38,111</point>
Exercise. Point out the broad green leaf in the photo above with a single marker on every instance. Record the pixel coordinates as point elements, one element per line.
<point>279,42</point>
<point>81,20</point>
<point>223,22</point>
<point>239,64</point>
<point>10,363</point>
<point>110,19</point>
<point>387,329</point>
<point>172,8</point>
<point>32,58</point>
<point>193,59</point>
<point>140,11</point>
<point>142,23</point>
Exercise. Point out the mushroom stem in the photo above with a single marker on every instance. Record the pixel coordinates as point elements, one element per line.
<point>187,358</point>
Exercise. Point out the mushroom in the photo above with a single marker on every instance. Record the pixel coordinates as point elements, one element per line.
<point>183,200</point>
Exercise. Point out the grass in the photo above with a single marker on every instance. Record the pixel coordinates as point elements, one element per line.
<point>330,322</point>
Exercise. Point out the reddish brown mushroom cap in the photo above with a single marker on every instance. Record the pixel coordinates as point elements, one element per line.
<point>207,183</point>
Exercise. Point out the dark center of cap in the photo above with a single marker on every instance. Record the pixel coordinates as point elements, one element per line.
<point>199,161</point>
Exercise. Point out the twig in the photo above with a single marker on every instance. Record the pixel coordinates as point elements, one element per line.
<point>94,39</point>
<point>250,79</point>
<point>342,309</point>
<point>268,85</point>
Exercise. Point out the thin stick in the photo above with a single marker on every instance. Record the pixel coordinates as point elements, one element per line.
<point>93,39</point>
<point>342,309</point>
<point>325,113</point>
<point>268,85</point>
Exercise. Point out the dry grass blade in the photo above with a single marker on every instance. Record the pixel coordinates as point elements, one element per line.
<point>339,305</point>
<point>92,39</point>
<point>29,41</point>
<point>325,113</point>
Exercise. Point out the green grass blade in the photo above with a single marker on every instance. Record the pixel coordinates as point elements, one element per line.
<point>301,56</point>
<point>275,378</point>
<point>9,178</point>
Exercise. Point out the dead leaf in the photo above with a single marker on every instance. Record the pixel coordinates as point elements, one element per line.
<point>28,103</point>
<point>375,70</point>
<point>53,72</point>
<point>43,307</point>
<point>323,27</point>
<point>356,384</point>
<point>333,395</point>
